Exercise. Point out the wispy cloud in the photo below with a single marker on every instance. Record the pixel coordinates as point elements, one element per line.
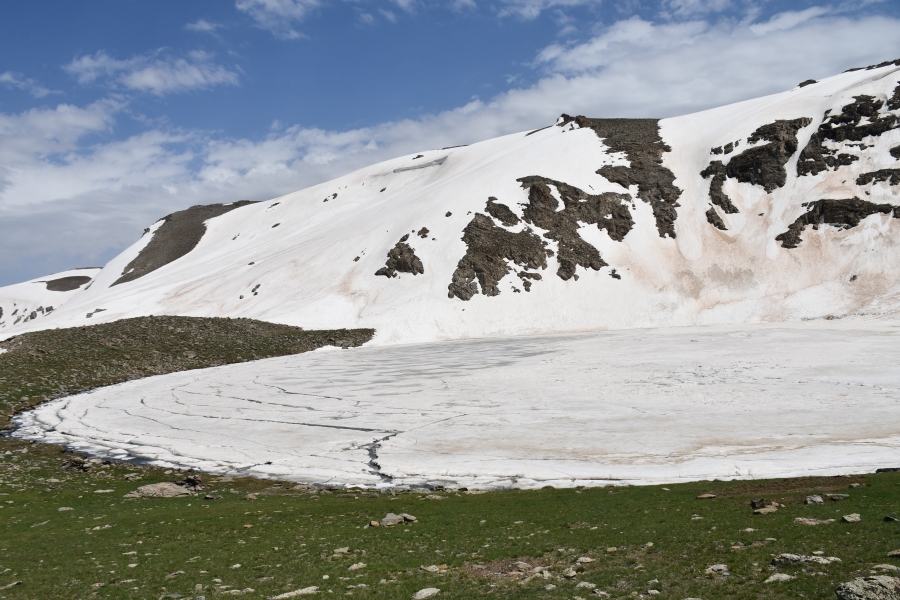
<point>19,82</point>
<point>788,20</point>
<point>278,16</point>
<point>150,73</point>
<point>531,9</point>
<point>203,25</point>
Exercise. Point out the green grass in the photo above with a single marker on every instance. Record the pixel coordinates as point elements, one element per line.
<point>181,543</point>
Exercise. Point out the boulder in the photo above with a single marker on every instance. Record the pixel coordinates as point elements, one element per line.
<point>166,489</point>
<point>879,587</point>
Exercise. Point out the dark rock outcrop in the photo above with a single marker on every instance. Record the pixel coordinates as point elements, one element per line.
<point>764,165</point>
<point>401,259</point>
<point>489,247</point>
<point>895,152</point>
<point>608,211</point>
<point>856,121</point>
<point>67,284</point>
<point>639,139</point>
<point>844,214</point>
<point>501,212</point>
<point>717,171</point>
<point>891,176</point>
<point>715,220</point>
<point>178,235</point>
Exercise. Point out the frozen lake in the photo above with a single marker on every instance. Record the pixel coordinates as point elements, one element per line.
<point>635,406</point>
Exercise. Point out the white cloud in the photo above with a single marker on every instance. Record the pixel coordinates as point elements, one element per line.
<point>788,20</point>
<point>16,80</point>
<point>530,9</point>
<point>148,73</point>
<point>278,16</point>
<point>203,25</point>
<point>68,195</point>
<point>690,8</point>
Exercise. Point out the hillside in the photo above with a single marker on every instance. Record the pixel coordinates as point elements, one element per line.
<point>773,209</point>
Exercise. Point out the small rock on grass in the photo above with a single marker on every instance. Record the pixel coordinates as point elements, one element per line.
<point>720,569</point>
<point>815,500</point>
<point>391,519</point>
<point>307,591</point>
<point>586,584</point>
<point>766,510</point>
<point>426,593</point>
<point>779,577</point>
<point>894,568</point>
<point>805,521</point>
<point>894,554</point>
<point>880,587</point>
<point>706,496</point>
<point>851,518</point>
<point>357,566</point>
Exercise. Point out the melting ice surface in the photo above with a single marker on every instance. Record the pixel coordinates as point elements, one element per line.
<point>636,406</point>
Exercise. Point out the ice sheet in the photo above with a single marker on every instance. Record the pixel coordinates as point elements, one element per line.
<point>636,406</point>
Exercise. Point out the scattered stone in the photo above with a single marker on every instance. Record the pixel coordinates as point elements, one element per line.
<point>431,568</point>
<point>805,521</point>
<point>778,577</point>
<point>343,550</point>
<point>570,572</point>
<point>391,519</point>
<point>174,575</point>
<point>426,593</point>
<point>611,549</point>
<point>212,497</point>
<point>720,569</point>
<point>250,497</point>
<point>301,592</point>
<point>10,585</point>
<point>586,584</point>
<point>837,497</point>
<point>879,587</point>
<point>894,554</point>
<point>890,519</point>
<point>766,510</point>
<point>65,508</point>
<point>549,587</point>
<point>165,489</point>
<point>357,566</point>
<point>601,593</point>
<point>893,568</point>
<point>706,496</point>
<point>851,518</point>
<point>585,559</point>
<point>793,559</point>
<point>814,500</point>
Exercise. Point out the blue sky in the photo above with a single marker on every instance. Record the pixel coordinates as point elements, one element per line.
<point>114,113</point>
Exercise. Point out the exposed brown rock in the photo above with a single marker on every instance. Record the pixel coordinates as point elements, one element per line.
<point>488,249</point>
<point>401,259</point>
<point>891,176</point>
<point>717,171</point>
<point>847,125</point>
<point>715,220</point>
<point>639,139</point>
<point>67,284</point>
<point>844,214</point>
<point>607,211</point>
<point>178,235</point>
<point>764,165</point>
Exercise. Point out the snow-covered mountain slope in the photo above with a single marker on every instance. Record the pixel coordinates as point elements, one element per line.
<point>778,208</point>
<point>30,303</point>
